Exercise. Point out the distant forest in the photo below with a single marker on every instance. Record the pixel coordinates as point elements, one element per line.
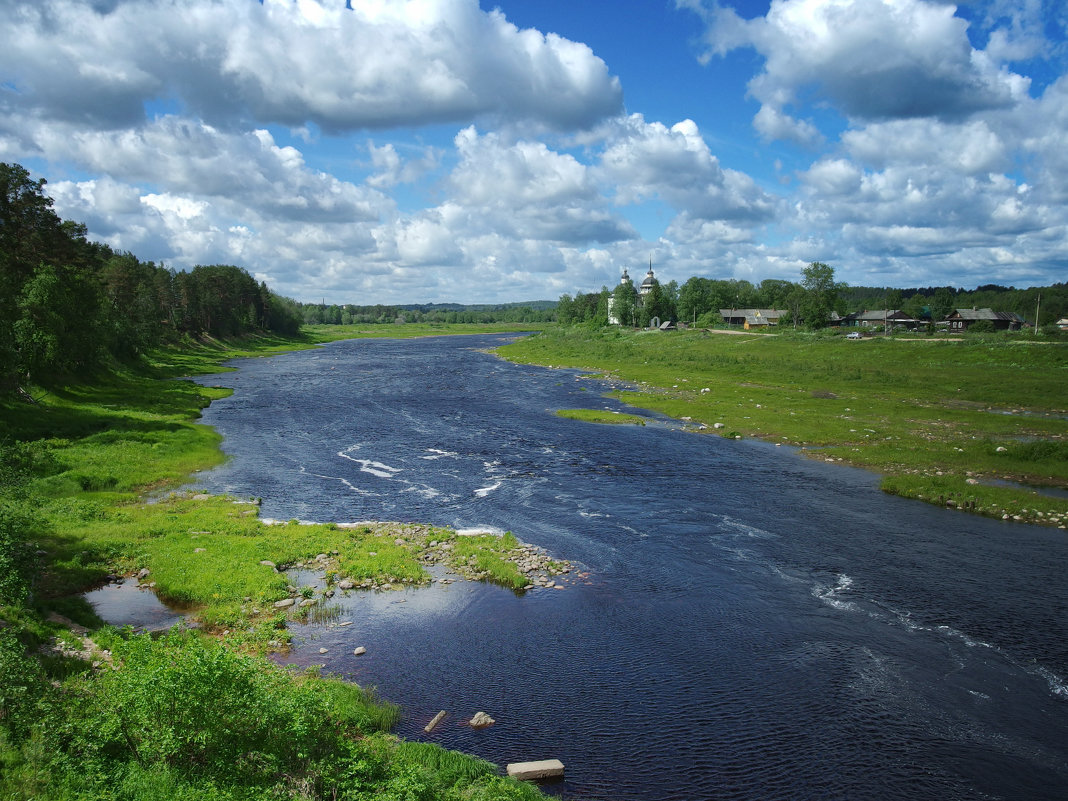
<point>538,311</point>
<point>68,305</point>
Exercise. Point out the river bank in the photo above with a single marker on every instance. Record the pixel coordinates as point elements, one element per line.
<point>82,485</point>
<point>943,422</point>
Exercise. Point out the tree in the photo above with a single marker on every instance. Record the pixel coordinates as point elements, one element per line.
<point>795,303</point>
<point>942,303</point>
<point>655,306</point>
<point>821,292</point>
<point>565,310</point>
<point>624,304</point>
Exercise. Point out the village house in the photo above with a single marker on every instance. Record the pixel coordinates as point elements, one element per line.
<point>887,318</point>
<point>751,319</point>
<point>962,319</point>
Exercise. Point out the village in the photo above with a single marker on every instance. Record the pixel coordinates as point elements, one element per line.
<point>650,302</point>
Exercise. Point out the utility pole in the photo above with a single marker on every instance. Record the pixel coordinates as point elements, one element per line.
<point>1038,305</point>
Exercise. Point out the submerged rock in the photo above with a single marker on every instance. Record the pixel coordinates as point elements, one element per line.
<point>481,720</point>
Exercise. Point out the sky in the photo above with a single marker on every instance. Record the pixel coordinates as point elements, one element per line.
<point>417,151</point>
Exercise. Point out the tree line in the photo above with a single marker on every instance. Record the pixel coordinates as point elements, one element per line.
<point>68,305</point>
<point>352,314</point>
<point>810,302</point>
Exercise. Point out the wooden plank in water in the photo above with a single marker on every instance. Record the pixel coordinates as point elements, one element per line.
<point>436,720</point>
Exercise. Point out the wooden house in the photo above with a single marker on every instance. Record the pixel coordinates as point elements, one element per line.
<point>962,319</point>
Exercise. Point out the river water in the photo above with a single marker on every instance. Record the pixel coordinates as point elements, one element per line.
<point>754,624</point>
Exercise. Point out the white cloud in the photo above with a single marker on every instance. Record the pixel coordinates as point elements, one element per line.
<point>645,160</point>
<point>871,59</point>
<point>376,65</point>
<point>531,192</point>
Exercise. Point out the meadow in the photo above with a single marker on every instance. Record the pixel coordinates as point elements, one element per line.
<point>88,490</point>
<point>979,424</point>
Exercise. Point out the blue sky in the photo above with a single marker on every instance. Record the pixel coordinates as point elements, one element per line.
<point>446,150</point>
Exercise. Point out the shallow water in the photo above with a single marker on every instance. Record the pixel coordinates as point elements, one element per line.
<point>754,624</point>
<point>124,603</point>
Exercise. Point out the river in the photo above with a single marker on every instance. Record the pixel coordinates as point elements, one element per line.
<point>753,625</point>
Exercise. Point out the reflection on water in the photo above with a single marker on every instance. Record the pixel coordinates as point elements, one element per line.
<point>124,603</point>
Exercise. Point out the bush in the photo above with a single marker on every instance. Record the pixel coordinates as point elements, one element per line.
<point>16,522</point>
<point>22,685</point>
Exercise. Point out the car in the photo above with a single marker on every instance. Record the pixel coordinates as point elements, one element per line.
<point>854,335</point>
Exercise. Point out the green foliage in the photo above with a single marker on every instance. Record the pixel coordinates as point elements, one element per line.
<point>22,686</point>
<point>483,555</point>
<point>821,294</point>
<point>981,327</point>
<point>67,304</point>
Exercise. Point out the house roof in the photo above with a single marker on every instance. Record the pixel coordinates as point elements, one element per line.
<point>986,314</point>
<point>771,314</point>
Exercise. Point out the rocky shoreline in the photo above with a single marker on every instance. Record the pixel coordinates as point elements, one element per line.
<point>430,547</point>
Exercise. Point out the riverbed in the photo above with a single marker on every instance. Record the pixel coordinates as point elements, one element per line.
<point>748,623</point>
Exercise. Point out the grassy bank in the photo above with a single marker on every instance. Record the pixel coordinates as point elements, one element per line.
<point>86,480</point>
<point>941,421</point>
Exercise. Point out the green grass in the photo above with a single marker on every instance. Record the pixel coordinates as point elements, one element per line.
<point>182,716</point>
<point>185,716</point>
<point>910,410</point>
<point>601,416</point>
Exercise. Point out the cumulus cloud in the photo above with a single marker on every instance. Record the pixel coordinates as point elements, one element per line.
<point>870,59</point>
<point>192,158</point>
<point>645,160</point>
<point>375,65</point>
<point>530,191</point>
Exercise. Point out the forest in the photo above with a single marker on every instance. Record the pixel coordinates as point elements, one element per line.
<point>351,314</point>
<point>69,305</point>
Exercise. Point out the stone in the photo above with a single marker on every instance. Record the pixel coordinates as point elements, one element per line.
<point>284,603</point>
<point>309,602</point>
<point>267,563</point>
<point>323,650</point>
<point>481,720</point>
<point>359,651</point>
<point>346,584</point>
<point>541,769</point>
<point>199,550</point>
<point>1000,449</point>
<point>717,425</point>
<point>142,573</point>
<point>55,617</point>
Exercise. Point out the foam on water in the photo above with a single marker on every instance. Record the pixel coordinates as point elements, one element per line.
<point>482,492</point>
<point>436,454</point>
<point>832,595</point>
<point>371,466</point>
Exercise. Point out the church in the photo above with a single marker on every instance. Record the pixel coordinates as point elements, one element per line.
<point>626,289</point>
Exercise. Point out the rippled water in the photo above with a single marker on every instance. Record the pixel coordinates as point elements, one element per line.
<point>755,625</point>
